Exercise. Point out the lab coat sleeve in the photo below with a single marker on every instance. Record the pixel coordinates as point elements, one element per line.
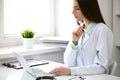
<point>70,55</point>
<point>102,61</point>
<point>87,70</point>
<point>105,49</point>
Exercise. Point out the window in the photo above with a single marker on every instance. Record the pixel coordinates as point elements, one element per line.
<point>45,17</point>
<point>21,14</point>
<point>17,15</point>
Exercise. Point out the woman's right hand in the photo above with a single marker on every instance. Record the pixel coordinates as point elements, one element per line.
<point>76,34</point>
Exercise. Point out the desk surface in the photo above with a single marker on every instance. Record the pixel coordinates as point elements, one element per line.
<point>12,74</point>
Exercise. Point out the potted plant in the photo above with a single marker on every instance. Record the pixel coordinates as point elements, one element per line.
<point>27,35</point>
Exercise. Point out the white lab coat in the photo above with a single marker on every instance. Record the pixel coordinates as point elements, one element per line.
<point>95,56</point>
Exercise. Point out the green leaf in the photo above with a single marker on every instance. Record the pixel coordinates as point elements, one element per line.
<point>27,33</point>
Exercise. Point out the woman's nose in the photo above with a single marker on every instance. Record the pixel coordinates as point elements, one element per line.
<point>73,11</point>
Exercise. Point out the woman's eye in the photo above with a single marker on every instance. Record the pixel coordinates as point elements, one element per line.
<point>77,8</point>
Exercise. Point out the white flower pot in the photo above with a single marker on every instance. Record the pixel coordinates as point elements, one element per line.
<point>28,43</point>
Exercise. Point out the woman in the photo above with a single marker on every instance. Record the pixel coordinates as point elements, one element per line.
<point>91,50</point>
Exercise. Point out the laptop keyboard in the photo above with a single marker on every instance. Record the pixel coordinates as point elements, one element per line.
<point>39,72</point>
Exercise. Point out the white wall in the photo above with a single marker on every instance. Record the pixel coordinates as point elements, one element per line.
<point>106,9</point>
<point>117,58</point>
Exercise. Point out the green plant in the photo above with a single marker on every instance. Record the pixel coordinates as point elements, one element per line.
<point>27,33</point>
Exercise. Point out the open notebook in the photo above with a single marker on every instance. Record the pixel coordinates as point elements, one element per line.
<point>31,62</point>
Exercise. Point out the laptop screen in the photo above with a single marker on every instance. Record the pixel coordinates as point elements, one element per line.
<point>24,63</point>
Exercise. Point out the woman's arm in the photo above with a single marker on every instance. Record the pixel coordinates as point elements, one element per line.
<point>70,54</point>
<point>87,70</point>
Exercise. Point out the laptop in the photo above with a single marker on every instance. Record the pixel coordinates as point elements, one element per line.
<point>35,72</point>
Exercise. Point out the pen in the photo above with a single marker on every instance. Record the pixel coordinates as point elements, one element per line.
<point>80,77</point>
<point>82,23</point>
<point>44,63</point>
<point>39,64</point>
<point>72,78</point>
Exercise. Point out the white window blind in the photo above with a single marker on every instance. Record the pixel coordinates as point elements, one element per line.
<point>23,14</point>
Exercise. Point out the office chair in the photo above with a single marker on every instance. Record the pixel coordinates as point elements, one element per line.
<point>113,68</point>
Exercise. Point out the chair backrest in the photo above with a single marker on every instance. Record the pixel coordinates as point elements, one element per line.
<point>113,68</point>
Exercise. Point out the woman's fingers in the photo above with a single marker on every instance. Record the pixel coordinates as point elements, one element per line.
<point>78,32</point>
<point>60,71</point>
<point>56,71</point>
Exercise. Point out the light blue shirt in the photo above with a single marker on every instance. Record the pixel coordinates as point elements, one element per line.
<point>96,54</point>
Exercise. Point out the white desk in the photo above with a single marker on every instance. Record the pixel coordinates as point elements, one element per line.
<point>12,74</point>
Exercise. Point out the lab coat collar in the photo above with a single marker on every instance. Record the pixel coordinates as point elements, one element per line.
<point>88,33</point>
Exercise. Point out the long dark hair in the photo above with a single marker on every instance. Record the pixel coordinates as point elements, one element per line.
<point>91,10</point>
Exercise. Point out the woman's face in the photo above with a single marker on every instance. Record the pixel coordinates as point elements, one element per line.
<point>76,11</point>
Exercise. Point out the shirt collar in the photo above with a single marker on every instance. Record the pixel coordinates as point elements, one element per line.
<point>88,30</point>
